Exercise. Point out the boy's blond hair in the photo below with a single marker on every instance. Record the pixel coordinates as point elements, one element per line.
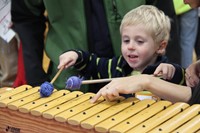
<point>153,19</point>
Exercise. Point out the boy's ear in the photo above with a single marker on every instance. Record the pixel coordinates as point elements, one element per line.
<point>162,48</point>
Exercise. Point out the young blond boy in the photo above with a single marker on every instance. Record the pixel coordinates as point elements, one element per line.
<point>144,35</point>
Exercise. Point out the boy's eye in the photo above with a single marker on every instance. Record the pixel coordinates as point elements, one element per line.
<point>140,41</point>
<point>126,40</point>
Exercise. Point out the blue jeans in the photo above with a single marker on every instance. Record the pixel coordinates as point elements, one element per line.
<point>188,23</point>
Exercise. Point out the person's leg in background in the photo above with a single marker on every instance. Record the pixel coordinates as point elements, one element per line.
<point>30,28</point>
<point>8,62</point>
<point>20,79</point>
<point>188,31</point>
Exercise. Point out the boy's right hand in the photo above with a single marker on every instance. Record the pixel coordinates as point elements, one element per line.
<point>67,59</point>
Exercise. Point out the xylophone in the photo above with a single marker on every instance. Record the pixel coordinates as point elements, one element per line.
<point>23,111</point>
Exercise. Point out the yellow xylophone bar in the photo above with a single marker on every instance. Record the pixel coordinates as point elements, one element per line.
<point>136,115</point>
<point>177,120</point>
<point>49,114</point>
<point>114,107</point>
<point>14,91</point>
<point>191,126</point>
<point>22,110</point>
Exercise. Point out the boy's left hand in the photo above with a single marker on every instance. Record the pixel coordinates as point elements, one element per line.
<point>165,71</point>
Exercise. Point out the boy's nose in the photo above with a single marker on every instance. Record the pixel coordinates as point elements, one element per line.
<point>131,46</point>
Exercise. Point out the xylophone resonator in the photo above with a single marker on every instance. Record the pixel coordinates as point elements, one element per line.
<point>22,110</point>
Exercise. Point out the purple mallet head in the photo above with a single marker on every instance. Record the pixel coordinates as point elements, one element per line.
<point>46,89</point>
<point>73,83</point>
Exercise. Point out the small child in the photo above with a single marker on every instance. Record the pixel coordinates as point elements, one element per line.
<point>144,33</point>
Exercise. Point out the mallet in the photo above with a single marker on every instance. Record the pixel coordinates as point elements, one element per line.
<point>47,88</point>
<point>75,82</point>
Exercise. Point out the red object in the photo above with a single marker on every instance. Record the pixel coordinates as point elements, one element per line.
<point>20,79</point>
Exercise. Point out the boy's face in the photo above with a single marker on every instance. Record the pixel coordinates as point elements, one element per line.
<point>192,3</point>
<point>138,47</point>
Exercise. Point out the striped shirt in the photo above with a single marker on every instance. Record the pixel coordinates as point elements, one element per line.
<point>93,67</point>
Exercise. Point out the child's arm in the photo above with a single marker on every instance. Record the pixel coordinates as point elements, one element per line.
<point>179,75</point>
<point>93,67</point>
<point>89,65</point>
<point>67,59</point>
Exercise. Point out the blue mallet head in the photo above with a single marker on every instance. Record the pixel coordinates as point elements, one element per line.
<point>46,89</point>
<point>73,83</point>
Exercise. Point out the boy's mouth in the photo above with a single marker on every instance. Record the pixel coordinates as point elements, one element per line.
<point>132,57</point>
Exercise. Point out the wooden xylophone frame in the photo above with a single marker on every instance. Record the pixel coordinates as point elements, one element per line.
<point>23,111</point>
